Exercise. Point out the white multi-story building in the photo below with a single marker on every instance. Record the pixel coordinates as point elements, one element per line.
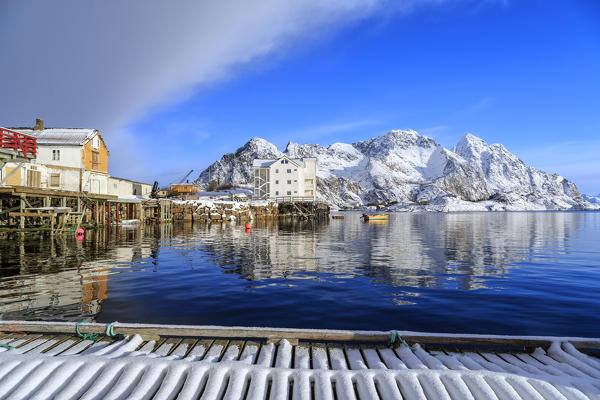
<point>285,177</point>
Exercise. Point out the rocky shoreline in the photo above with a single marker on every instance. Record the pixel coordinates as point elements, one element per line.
<point>216,211</point>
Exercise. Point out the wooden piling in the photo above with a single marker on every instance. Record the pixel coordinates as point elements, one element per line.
<point>22,210</point>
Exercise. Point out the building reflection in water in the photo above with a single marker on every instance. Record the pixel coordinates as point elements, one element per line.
<point>62,279</point>
<point>460,250</point>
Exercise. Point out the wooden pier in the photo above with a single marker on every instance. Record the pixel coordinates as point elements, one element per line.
<point>25,208</point>
<point>47,360</point>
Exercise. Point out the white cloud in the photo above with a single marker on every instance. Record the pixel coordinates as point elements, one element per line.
<point>106,63</point>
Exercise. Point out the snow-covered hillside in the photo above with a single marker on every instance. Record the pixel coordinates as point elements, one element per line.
<point>409,171</point>
<point>592,199</point>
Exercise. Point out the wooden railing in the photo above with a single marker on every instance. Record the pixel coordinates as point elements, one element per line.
<point>294,199</point>
<point>24,144</point>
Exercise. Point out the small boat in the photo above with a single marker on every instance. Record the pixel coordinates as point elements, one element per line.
<point>376,217</point>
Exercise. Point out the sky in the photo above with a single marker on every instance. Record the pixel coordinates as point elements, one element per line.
<point>172,86</point>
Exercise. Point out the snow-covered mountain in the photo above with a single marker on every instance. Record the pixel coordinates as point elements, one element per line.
<point>592,199</point>
<point>413,172</point>
<point>236,168</point>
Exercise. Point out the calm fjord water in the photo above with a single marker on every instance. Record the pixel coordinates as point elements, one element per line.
<point>503,273</point>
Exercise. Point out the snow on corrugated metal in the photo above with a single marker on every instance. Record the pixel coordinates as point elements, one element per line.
<point>190,369</point>
<point>60,136</point>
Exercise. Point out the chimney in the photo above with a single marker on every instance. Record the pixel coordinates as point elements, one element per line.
<point>39,124</point>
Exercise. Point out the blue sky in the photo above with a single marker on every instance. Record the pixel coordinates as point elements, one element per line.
<point>526,75</point>
<point>523,73</point>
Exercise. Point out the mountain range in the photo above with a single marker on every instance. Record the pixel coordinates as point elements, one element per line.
<point>407,171</point>
<point>592,198</point>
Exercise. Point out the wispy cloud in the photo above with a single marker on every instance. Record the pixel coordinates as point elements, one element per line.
<point>434,131</point>
<point>329,128</point>
<point>477,106</point>
<point>105,64</point>
<point>576,160</point>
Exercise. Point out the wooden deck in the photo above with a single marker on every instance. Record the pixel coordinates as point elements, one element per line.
<point>189,362</point>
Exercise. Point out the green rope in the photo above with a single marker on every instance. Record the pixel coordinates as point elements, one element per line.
<point>8,346</point>
<point>395,335</point>
<point>110,329</point>
<point>85,336</point>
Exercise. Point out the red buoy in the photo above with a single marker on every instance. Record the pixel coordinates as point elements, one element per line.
<point>79,232</point>
<point>248,226</point>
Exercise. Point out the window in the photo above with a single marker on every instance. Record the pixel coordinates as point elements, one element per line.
<point>295,191</point>
<point>55,155</point>
<point>289,171</point>
<point>282,161</point>
<point>289,182</point>
<point>95,162</point>
<point>95,142</point>
<point>289,193</point>
<point>295,180</point>
<point>54,180</point>
<point>295,169</point>
<point>276,171</point>
<point>277,182</point>
<point>276,193</point>
<point>33,178</point>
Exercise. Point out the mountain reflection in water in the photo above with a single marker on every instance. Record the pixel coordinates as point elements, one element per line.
<point>525,273</point>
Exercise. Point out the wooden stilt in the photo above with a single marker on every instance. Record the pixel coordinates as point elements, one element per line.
<point>22,210</point>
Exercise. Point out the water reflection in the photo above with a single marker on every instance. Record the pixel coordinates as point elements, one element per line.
<point>419,260</point>
<point>48,277</point>
<point>419,250</point>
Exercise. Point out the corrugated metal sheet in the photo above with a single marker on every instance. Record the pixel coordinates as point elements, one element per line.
<point>60,136</point>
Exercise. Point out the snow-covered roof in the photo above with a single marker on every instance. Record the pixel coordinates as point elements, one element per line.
<point>130,180</point>
<point>60,136</point>
<point>265,163</point>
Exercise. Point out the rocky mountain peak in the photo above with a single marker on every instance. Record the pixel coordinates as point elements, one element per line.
<point>414,171</point>
<point>259,148</point>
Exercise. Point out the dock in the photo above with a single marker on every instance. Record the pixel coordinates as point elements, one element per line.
<point>42,360</point>
<point>25,208</point>
<point>305,208</point>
